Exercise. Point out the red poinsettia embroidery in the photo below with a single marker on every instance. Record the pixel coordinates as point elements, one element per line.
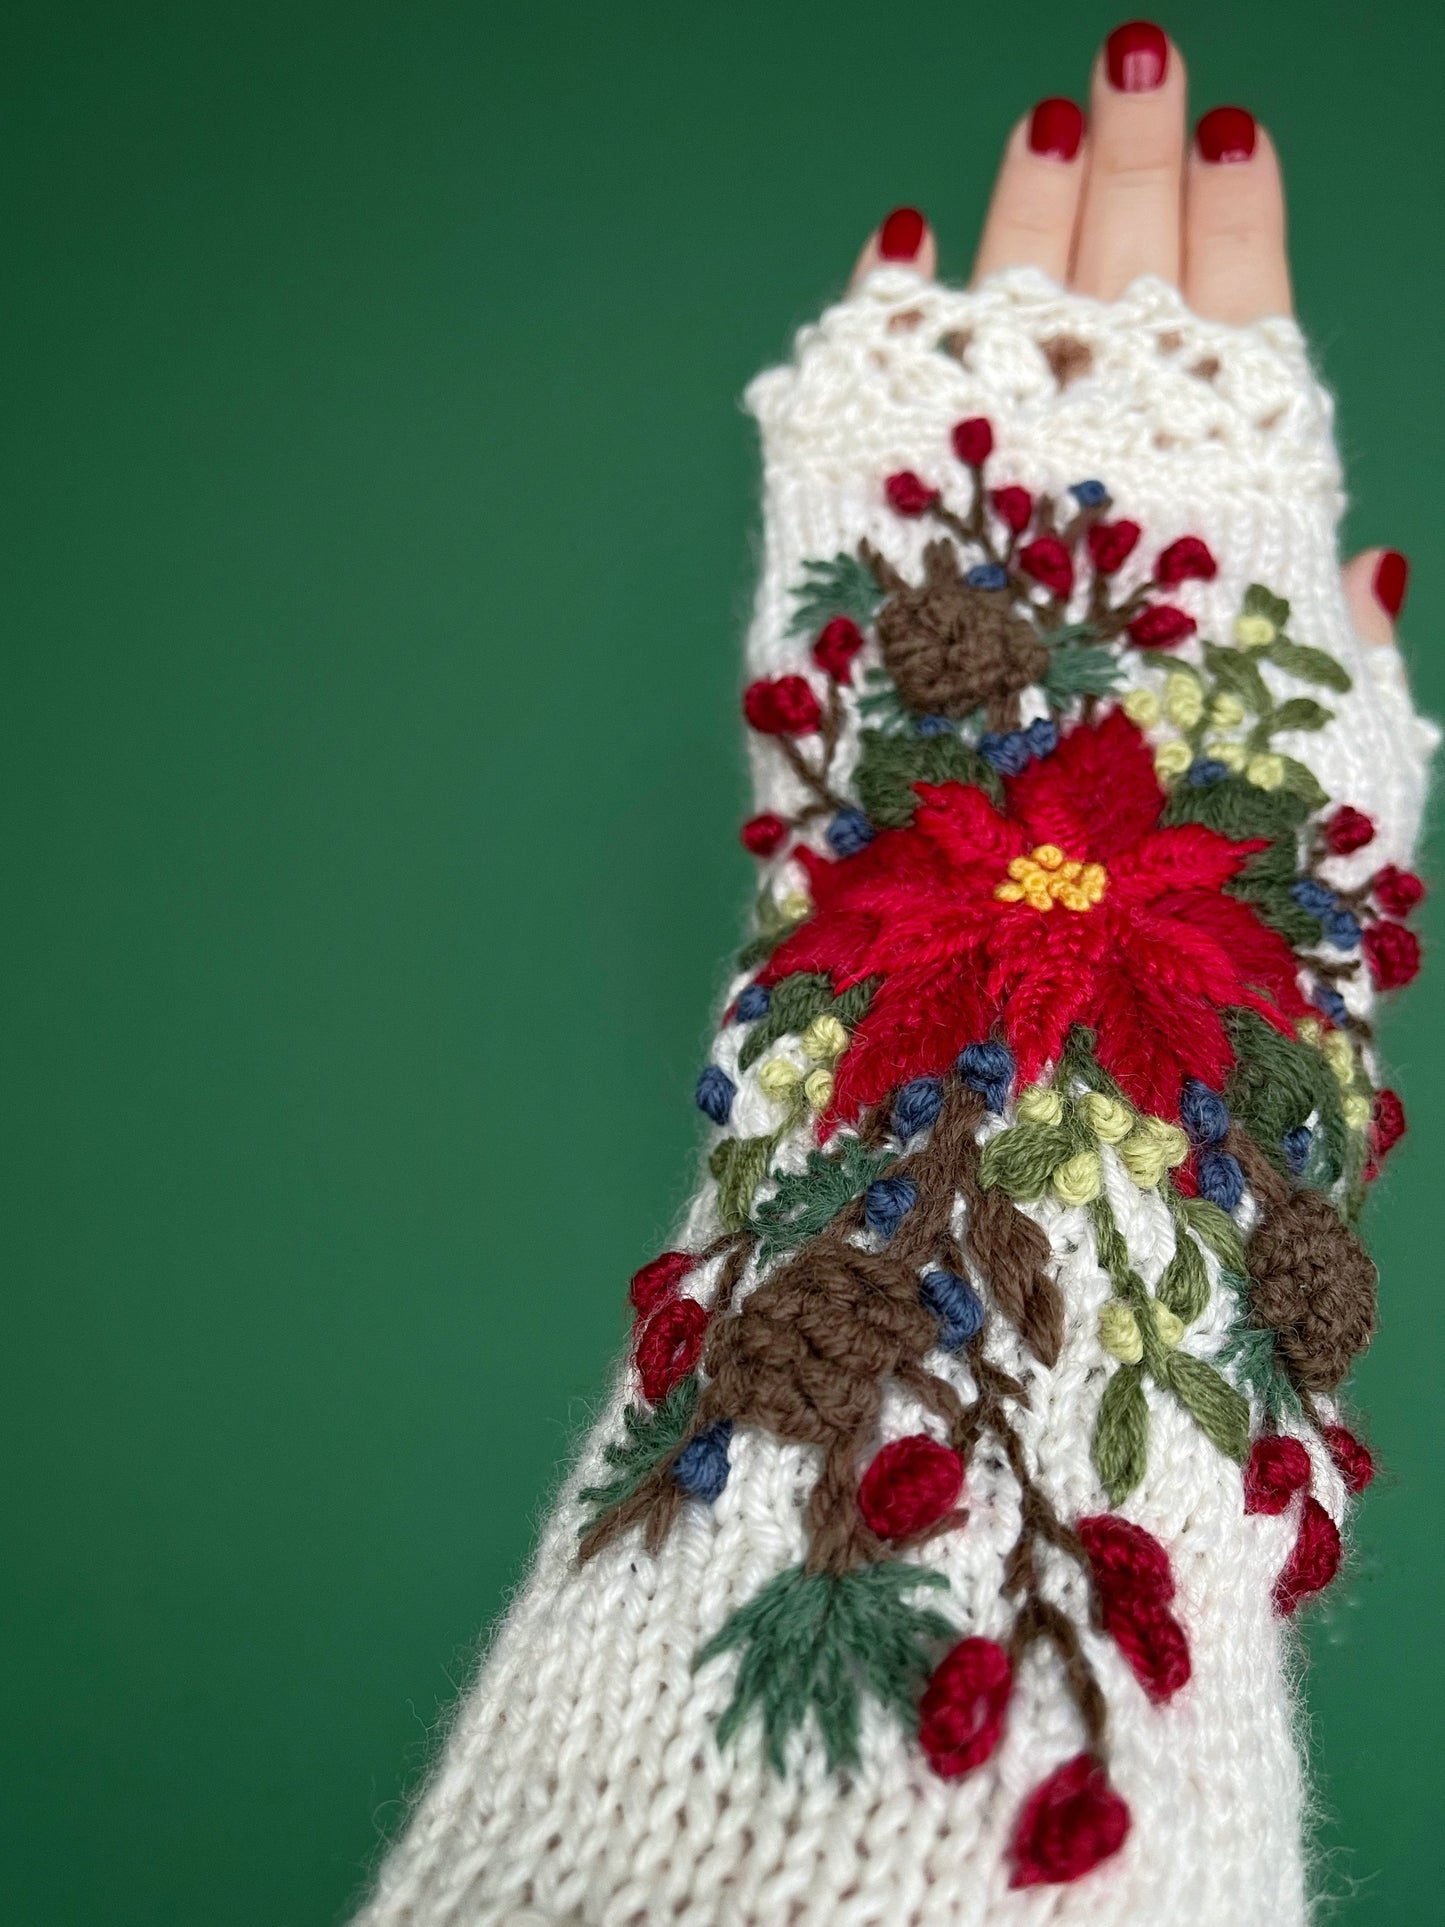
<point>1071,905</point>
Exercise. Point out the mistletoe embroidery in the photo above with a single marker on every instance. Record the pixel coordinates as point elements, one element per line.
<point>1043,955</point>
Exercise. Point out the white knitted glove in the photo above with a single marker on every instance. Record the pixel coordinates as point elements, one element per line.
<point>939,1544</point>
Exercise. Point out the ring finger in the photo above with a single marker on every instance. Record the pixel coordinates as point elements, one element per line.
<point>1036,196</point>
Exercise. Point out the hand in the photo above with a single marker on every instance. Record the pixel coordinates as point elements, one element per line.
<point>1095,203</point>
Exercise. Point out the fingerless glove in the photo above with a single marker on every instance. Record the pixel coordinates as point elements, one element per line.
<point>937,1556</point>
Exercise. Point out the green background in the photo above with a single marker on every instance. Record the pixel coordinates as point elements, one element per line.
<point>376,539</point>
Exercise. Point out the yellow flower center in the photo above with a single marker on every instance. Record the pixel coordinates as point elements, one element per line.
<point>1046,876</point>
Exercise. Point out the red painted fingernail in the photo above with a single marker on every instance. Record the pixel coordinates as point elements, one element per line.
<point>901,235</point>
<point>1392,579</point>
<point>1056,127</point>
<point>1137,57</point>
<point>1226,134</point>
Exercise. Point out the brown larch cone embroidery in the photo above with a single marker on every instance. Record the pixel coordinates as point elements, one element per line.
<point>1314,1284</point>
<point>952,648</point>
<point>807,1357</point>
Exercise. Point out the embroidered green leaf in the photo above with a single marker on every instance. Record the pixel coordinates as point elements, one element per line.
<point>1220,1412</point>
<point>1237,809</point>
<point>850,1007</point>
<point>1279,1082</point>
<point>1076,671</point>
<point>1114,1253</point>
<point>1310,665</point>
<point>793,1004</point>
<point>1303,783</point>
<point>1070,632</point>
<point>1121,1434</point>
<point>1259,601</point>
<point>1079,1061</point>
<point>1267,881</point>
<point>816,1643</point>
<point>1184,1288</point>
<point>806,1202</point>
<point>1251,1358</point>
<point>648,1437</point>
<point>758,949</point>
<point>773,925</point>
<point>881,704</point>
<point>1236,671</point>
<point>1299,712</point>
<point>1021,1160</point>
<point>739,1164</point>
<point>842,587</point>
<point>1217,1230</point>
<point>795,1001</point>
<point>1187,670</point>
<point>889,766</point>
<point>1236,1283</point>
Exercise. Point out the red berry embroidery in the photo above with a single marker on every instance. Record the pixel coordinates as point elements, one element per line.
<point>1348,829</point>
<point>1068,1825</point>
<point>1393,954</point>
<point>836,647</point>
<point>909,493</point>
<point>1353,1460</point>
<point>1388,1124</point>
<point>669,1346</point>
<point>1396,891</point>
<point>1014,507</point>
<point>1162,627</point>
<point>1134,1586</point>
<point>1314,1561</point>
<point>1111,544</point>
<point>764,835</point>
<point>1049,562</point>
<point>659,1279</point>
<point>973,441</point>
<point>962,1710</point>
<point>1278,1468</point>
<point>785,706</point>
<point>1186,558</point>
<point>911,1484</point>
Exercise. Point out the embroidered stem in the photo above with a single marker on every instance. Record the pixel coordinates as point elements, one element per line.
<point>815,781</point>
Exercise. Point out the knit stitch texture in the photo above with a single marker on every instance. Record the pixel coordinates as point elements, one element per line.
<point>933,1562</point>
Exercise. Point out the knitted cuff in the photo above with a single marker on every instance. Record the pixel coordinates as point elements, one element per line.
<point>935,1561</point>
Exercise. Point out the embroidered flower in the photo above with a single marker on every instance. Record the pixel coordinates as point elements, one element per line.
<point>1149,954</point>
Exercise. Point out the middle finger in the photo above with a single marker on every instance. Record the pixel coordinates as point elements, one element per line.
<point>1130,220</point>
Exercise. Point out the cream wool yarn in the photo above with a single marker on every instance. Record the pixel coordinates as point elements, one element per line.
<point>583,1784</point>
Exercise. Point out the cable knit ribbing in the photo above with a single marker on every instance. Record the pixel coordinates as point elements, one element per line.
<point>958,1361</point>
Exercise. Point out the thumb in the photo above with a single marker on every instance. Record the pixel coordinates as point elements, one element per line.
<point>1375,584</point>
